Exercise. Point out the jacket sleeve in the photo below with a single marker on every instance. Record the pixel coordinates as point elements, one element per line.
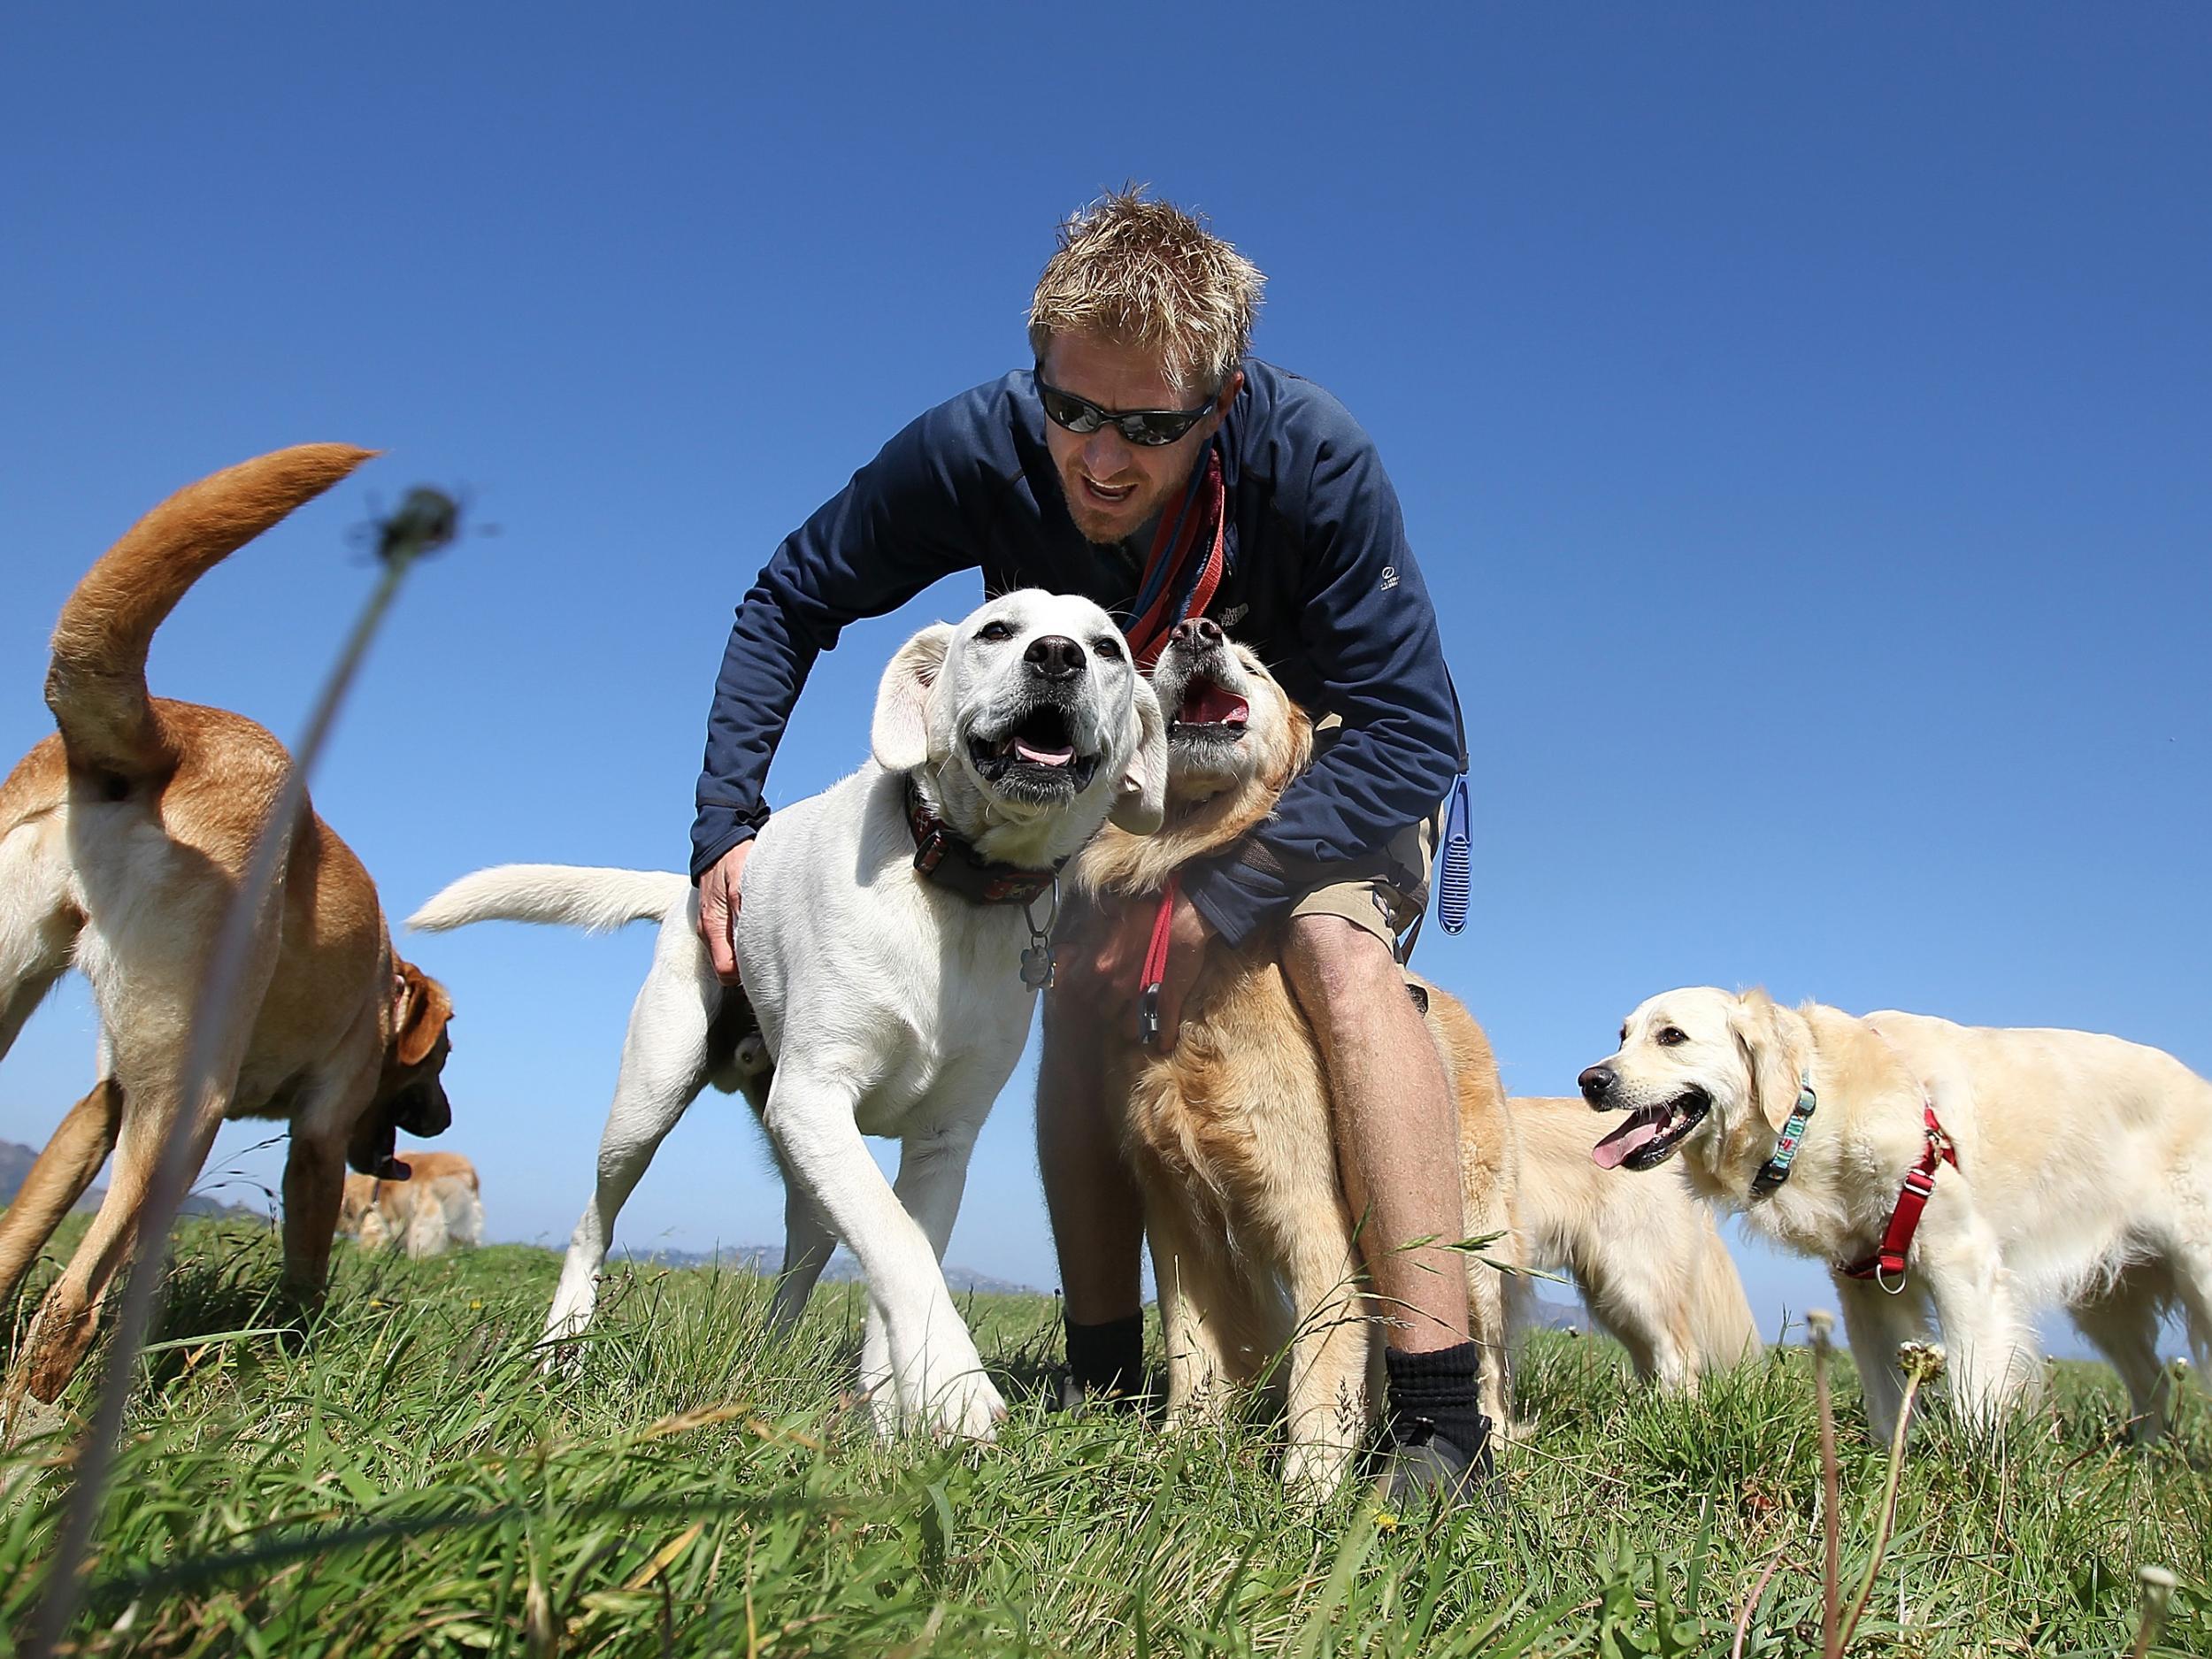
<point>896,528</point>
<point>1371,635</point>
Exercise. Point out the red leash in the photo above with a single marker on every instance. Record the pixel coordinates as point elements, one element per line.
<point>1889,1262</point>
<point>1173,544</point>
<point>1155,969</point>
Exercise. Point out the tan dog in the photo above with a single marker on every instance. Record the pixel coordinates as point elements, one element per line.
<point>2083,1175</point>
<point>121,840</point>
<point>1643,1250</point>
<point>438,1205</point>
<point>1253,1245</point>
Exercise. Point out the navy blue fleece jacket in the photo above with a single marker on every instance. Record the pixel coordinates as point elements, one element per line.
<point>1319,582</point>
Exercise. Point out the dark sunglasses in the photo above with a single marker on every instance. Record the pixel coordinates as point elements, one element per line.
<point>1150,427</point>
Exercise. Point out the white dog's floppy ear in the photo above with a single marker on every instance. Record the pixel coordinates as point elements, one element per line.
<point>1140,796</point>
<point>1757,1028</point>
<point>900,732</point>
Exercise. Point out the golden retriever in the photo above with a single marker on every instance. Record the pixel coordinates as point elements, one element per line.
<point>122,839</point>
<point>1649,1259</point>
<point>2080,1172</point>
<point>438,1205</point>
<point>1228,1133</point>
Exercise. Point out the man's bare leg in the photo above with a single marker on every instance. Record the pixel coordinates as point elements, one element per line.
<point>1397,1137</point>
<point>1396,1134</point>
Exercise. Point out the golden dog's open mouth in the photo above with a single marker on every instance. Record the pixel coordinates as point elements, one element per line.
<point>1211,709</point>
<point>1651,1135</point>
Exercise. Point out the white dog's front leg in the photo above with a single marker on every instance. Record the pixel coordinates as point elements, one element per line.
<point>937,1375</point>
<point>933,1175</point>
<point>1995,1360</point>
<point>1878,1322</point>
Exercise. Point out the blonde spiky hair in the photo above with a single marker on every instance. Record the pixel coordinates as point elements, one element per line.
<point>1148,274</point>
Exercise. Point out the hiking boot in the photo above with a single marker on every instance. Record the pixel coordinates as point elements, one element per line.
<point>1423,1465</point>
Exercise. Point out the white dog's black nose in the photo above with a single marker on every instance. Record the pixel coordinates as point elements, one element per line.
<point>1054,657</point>
<point>1597,1083</point>
<point>1198,631</point>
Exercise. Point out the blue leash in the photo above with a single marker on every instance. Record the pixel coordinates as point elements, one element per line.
<point>1454,880</point>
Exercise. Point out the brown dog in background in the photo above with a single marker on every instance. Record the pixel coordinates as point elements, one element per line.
<point>438,1205</point>
<point>1253,1245</point>
<point>122,839</point>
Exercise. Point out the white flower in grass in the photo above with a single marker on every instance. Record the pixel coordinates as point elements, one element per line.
<point>1923,1360</point>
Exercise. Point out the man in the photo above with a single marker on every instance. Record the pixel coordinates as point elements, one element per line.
<point>1150,463</point>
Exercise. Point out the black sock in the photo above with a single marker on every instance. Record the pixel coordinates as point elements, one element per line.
<point>1439,1393</point>
<point>1106,1358</point>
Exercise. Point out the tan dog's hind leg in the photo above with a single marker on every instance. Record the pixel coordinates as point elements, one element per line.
<point>1486,1320</point>
<point>58,1180</point>
<point>2124,1324</point>
<point>38,922</point>
<point>64,1327</point>
<point>1196,1326</point>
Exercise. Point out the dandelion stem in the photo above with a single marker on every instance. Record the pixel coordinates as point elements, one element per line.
<point>1889,1513</point>
<point>1818,1324</point>
<point>411,532</point>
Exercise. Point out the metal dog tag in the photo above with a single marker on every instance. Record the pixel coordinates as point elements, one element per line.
<point>1037,967</point>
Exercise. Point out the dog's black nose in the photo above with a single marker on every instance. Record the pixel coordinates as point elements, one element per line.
<point>1597,1083</point>
<point>1196,631</point>
<point>1055,656</point>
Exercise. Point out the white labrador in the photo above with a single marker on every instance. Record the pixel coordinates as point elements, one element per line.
<point>2084,1175</point>
<point>877,1000</point>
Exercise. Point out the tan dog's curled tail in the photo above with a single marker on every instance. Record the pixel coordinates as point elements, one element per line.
<point>96,682</point>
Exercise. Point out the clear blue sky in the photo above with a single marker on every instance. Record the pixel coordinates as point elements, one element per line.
<point>1803,416</point>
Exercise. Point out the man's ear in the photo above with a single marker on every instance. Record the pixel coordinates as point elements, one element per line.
<point>900,732</point>
<point>419,1019</point>
<point>1757,1028</point>
<point>1141,796</point>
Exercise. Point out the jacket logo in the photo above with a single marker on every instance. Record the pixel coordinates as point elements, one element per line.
<point>1233,615</point>
<point>1390,578</point>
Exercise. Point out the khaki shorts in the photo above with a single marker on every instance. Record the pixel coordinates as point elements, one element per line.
<point>1388,893</point>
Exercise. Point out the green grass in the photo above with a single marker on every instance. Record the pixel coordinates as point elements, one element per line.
<point>399,1480</point>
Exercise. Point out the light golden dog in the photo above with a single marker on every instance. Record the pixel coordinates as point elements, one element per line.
<point>438,1206</point>
<point>1649,1259</point>
<point>1253,1245</point>
<point>121,842</point>
<point>2083,1175</point>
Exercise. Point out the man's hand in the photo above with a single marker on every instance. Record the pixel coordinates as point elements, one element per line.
<point>1108,964</point>
<point>720,897</point>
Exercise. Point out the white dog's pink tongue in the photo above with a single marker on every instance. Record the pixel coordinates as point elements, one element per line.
<point>1043,757</point>
<point>1609,1153</point>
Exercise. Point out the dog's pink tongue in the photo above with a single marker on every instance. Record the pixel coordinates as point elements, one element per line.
<point>1609,1153</point>
<point>1043,757</point>
<point>1208,705</point>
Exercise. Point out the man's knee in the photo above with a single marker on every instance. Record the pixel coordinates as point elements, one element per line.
<point>1332,964</point>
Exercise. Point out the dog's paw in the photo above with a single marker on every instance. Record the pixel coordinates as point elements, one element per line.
<point>969,1408</point>
<point>948,1392</point>
<point>1313,1470</point>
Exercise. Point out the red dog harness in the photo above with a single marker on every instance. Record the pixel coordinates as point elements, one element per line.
<point>1889,1262</point>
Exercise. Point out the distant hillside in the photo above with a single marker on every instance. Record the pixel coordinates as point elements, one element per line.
<point>15,1167</point>
<point>766,1259</point>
